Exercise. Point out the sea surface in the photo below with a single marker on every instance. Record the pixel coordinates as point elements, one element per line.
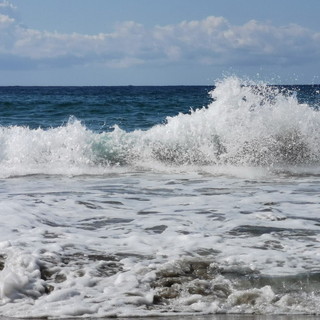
<point>160,201</point>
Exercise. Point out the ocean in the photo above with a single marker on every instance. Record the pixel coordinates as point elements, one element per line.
<point>160,201</point>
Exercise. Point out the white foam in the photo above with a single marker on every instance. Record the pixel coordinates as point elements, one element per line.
<point>247,124</point>
<point>151,231</point>
<point>20,277</point>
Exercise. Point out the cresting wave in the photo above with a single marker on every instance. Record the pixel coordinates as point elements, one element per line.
<point>118,239</point>
<point>247,124</point>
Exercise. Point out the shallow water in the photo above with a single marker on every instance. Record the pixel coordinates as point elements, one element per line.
<point>166,221</point>
<point>159,242</point>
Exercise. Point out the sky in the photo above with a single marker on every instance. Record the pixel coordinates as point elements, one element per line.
<point>158,42</point>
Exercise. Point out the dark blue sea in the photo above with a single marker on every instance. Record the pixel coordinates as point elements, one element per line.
<point>160,201</point>
<point>99,108</point>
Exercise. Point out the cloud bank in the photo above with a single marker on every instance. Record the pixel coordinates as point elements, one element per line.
<point>212,41</point>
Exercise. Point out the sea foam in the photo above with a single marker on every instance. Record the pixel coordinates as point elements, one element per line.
<point>189,216</point>
<point>246,124</point>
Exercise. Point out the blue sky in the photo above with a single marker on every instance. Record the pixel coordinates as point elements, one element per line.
<point>163,42</point>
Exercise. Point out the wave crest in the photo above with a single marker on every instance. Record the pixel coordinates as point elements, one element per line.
<point>246,124</point>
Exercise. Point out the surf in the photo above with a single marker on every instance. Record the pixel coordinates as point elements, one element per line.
<point>247,124</point>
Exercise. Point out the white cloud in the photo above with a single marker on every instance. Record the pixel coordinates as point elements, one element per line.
<point>211,41</point>
<point>7,8</point>
<point>5,21</point>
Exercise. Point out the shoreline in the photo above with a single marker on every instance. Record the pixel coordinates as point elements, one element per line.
<point>188,317</point>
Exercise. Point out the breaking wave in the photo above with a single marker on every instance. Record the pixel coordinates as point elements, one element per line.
<point>246,124</point>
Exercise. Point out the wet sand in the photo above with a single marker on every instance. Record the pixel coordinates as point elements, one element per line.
<point>233,317</point>
<point>196,317</point>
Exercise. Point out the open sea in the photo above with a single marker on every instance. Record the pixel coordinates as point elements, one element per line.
<point>160,201</point>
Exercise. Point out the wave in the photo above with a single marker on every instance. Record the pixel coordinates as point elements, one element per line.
<point>246,124</point>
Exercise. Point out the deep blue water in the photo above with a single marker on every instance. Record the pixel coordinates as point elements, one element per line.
<point>99,108</point>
